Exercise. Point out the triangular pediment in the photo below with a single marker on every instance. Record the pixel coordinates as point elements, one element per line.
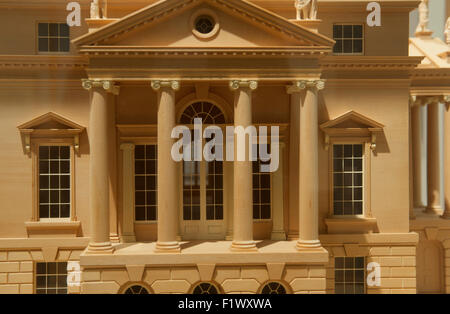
<point>51,121</point>
<point>169,24</point>
<point>352,120</point>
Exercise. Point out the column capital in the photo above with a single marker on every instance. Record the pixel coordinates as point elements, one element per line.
<point>237,84</point>
<point>127,146</point>
<point>301,85</point>
<point>158,84</point>
<point>107,85</point>
<point>423,100</point>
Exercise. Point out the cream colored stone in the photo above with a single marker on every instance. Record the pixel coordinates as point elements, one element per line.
<point>275,270</point>
<point>234,285</point>
<point>223,273</point>
<point>409,261</point>
<point>26,266</point>
<point>153,274</point>
<point>391,283</point>
<point>135,272</point>
<point>189,274</point>
<point>308,284</point>
<point>319,272</point>
<point>18,256</point>
<point>26,289</point>
<point>107,287</point>
<point>9,289</point>
<point>75,255</point>
<point>206,271</point>
<point>404,251</point>
<point>403,291</point>
<point>293,272</point>
<point>391,261</point>
<point>258,273</point>
<point>403,272</point>
<point>90,275</point>
<point>409,283</point>
<point>20,277</point>
<point>63,255</point>
<point>119,276</point>
<point>8,267</point>
<point>380,251</point>
<point>49,253</point>
<point>37,256</point>
<point>3,278</point>
<point>171,286</point>
<point>3,256</point>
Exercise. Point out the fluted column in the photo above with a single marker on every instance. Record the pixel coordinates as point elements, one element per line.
<point>243,186</point>
<point>433,169</point>
<point>128,234</point>
<point>167,169</point>
<point>278,233</point>
<point>309,165</point>
<point>99,130</point>
<point>447,159</point>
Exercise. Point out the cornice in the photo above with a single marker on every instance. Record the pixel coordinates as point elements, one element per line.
<point>42,61</point>
<point>431,73</point>
<point>352,63</point>
<point>204,51</point>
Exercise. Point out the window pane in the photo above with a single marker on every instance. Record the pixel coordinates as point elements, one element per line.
<point>357,31</point>
<point>337,31</point>
<point>63,30</point>
<point>348,31</point>
<point>43,44</point>
<point>53,29</point>
<point>64,44</point>
<point>43,29</point>
<point>53,44</point>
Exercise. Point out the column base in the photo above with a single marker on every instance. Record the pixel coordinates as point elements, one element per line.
<point>446,214</point>
<point>100,248</point>
<point>114,238</point>
<point>244,246</point>
<point>167,247</point>
<point>229,237</point>
<point>436,210</point>
<point>308,244</point>
<point>292,236</point>
<point>278,235</point>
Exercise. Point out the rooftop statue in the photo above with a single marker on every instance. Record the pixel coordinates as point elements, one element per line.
<point>306,9</point>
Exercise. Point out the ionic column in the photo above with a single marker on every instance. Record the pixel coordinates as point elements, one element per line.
<point>167,169</point>
<point>228,186</point>
<point>278,233</point>
<point>434,192</point>
<point>127,193</point>
<point>99,130</point>
<point>309,165</point>
<point>243,181</point>
<point>447,160</point>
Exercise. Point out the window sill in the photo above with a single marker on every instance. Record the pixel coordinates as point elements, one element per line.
<point>351,225</point>
<point>48,229</point>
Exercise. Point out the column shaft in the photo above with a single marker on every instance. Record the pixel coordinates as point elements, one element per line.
<point>446,161</point>
<point>417,154</point>
<point>99,176</point>
<point>294,136</point>
<point>433,162</point>
<point>243,183</point>
<point>167,174</point>
<point>309,172</point>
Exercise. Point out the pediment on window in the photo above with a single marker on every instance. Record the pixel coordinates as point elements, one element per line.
<point>50,125</point>
<point>352,124</point>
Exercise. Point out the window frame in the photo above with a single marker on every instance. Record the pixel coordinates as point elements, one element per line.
<point>57,274</point>
<point>362,53</point>
<point>262,220</point>
<point>36,42</point>
<point>138,142</point>
<point>366,210</point>
<point>38,142</point>
<point>364,268</point>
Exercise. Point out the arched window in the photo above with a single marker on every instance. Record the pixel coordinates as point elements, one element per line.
<point>205,288</point>
<point>136,289</point>
<point>273,288</point>
<point>208,112</point>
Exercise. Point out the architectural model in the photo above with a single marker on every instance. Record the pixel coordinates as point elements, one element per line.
<point>223,146</point>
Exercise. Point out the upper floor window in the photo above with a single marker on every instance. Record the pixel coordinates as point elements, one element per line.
<point>349,39</point>
<point>53,37</point>
<point>145,182</point>
<point>348,179</point>
<point>54,181</point>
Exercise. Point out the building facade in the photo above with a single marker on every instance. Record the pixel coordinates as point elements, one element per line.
<point>93,202</point>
